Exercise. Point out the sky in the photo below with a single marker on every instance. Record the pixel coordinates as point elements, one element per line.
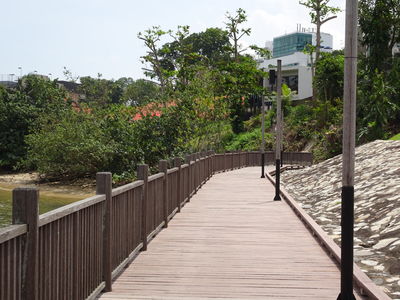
<point>98,36</point>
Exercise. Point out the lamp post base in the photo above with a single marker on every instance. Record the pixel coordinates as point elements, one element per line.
<point>347,244</point>
<point>262,165</point>
<point>277,180</point>
<point>349,297</point>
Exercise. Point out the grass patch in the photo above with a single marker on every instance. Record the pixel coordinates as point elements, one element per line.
<point>396,137</point>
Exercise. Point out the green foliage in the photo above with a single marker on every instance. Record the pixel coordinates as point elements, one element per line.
<point>212,46</point>
<point>329,76</point>
<point>119,129</point>
<point>250,141</point>
<point>262,52</point>
<point>72,146</point>
<point>164,136</point>
<point>141,92</point>
<point>376,106</point>
<point>181,64</point>
<point>101,92</point>
<point>380,26</point>
<point>320,11</point>
<point>396,137</point>
<point>151,38</point>
<point>235,30</point>
<point>239,81</point>
<point>19,110</point>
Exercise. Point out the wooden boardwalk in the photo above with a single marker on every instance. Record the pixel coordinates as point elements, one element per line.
<point>231,241</point>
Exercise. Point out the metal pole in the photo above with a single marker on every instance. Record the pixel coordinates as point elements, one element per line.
<point>263,131</point>
<point>349,129</point>
<point>278,132</point>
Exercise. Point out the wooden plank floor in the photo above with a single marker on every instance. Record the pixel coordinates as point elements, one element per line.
<point>231,242</point>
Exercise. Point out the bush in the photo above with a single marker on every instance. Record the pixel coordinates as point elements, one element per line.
<point>74,146</point>
<point>250,141</point>
<point>19,110</point>
<point>117,126</point>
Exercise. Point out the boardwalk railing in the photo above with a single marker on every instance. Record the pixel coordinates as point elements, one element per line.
<point>75,251</point>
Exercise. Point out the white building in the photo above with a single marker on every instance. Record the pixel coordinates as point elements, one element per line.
<point>296,65</point>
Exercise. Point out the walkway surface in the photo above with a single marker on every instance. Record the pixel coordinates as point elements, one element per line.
<point>231,241</point>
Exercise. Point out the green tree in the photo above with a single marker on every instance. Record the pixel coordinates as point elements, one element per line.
<point>235,32</point>
<point>320,13</point>
<point>376,108</point>
<point>212,44</point>
<point>141,92</point>
<point>151,38</point>
<point>239,81</point>
<point>19,111</point>
<point>329,76</point>
<point>69,147</point>
<point>100,92</point>
<point>380,26</point>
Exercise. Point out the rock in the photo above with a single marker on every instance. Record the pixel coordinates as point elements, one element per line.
<point>378,281</point>
<point>384,243</point>
<point>394,267</point>
<point>379,268</point>
<point>363,252</point>
<point>369,263</point>
<point>377,205</point>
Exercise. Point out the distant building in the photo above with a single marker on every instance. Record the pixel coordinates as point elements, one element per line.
<point>296,65</point>
<point>9,80</point>
<point>72,89</point>
<point>9,84</point>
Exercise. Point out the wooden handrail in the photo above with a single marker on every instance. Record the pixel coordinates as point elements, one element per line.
<point>105,232</point>
<point>11,232</point>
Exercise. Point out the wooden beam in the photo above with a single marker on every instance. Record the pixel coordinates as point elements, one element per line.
<point>26,211</point>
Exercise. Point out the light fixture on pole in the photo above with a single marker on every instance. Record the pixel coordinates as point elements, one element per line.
<point>349,130</point>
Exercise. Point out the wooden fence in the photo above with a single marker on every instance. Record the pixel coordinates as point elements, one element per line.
<point>75,251</point>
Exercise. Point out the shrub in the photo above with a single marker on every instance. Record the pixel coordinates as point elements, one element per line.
<point>73,146</point>
<point>19,110</point>
<point>250,141</point>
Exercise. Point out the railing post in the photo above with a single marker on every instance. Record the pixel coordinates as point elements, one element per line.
<point>187,161</point>
<point>143,174</point>
<point>193,173</point>
<point>104,186</point>
<point>225,162</point>
<point>197,155</point>
<point>209,164</point>
<point>177,164</point>
<point>25,211</point>
<point>163,167</point>
<point>212,154</point>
